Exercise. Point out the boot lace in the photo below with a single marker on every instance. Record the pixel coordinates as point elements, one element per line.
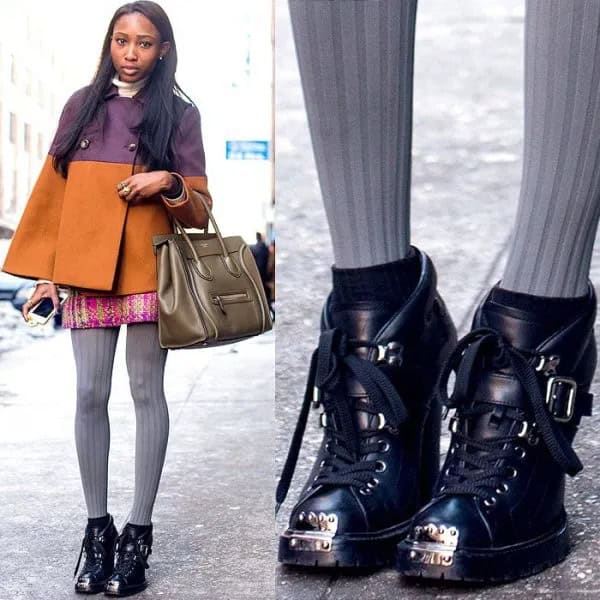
<point>130,552</point>
<point>478,467</point>
<point>331,364</point>
<point>95,552</point>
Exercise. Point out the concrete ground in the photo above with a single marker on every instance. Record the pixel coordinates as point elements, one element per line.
<point>466,170</point>
<point>213,520</point>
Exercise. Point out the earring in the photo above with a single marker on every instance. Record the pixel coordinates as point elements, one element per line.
<point>160,58</point>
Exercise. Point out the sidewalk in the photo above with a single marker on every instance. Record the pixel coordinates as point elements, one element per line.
<point>212,523</point>
<point>466,171</point>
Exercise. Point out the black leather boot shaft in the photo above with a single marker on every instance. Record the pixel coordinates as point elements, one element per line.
<point>522,386</point>
<point>375,369</point>
<point>98,546</point>
<point>133,548</point>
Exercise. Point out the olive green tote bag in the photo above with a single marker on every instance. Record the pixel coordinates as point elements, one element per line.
<point>209,289</point>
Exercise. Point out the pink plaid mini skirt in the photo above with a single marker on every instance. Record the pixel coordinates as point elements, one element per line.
<point>82,312</point>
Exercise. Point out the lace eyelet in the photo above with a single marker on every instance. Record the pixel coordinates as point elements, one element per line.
<point>383,446</point>
<point>521,452</point>
<point>502,489</point>
<point>365,491</point>
<point>321,464</point>
<point>491,502</point>
<point>380,466</point>
<point>373,483</point>
<point>524,429</point>
<point>453,427</point>
<point>511,472</point>
<point>447,472</point>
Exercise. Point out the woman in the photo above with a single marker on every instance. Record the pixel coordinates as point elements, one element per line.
<point>127,154</point>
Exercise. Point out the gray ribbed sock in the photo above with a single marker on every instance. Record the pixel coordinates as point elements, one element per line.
<point>356,63</point>
<point>94,351</point>
<point>146,367</point>
<point>560,192</point>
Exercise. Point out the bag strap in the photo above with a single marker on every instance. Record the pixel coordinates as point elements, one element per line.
<point>204,270</point>
<point>231,265</point>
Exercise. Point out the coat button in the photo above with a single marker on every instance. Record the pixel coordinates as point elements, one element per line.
<point>84,143</point>
<point>132,147</point>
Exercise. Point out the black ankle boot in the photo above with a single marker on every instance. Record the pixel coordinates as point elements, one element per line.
<point>98,544</point>
<point>133,548</point>
<point>375,370</point>
<point>522,381</point>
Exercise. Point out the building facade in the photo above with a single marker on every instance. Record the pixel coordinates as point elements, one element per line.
<point>31,94</point>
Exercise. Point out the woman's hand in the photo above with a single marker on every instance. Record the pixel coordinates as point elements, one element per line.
<point>42,290</point>
<point>141,186</point>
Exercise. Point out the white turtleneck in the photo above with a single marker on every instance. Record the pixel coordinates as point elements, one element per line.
<point>129,89</point>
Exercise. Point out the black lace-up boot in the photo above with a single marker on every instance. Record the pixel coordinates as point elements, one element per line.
<point>522,381</point>
<point>375,371</point>
<point>98,544</point>
<point>133,548</point>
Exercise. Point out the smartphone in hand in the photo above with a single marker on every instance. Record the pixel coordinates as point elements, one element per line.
<point>44,310</point>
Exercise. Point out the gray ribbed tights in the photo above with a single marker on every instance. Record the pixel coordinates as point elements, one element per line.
<point>559,203</point>
<point>94,351</point>
<point>356,64</point>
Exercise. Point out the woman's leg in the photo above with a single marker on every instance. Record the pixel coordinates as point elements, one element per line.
<point>559,203</point>
<point>94,351</point>
<point>146,367</point>
<point>356,63</point>
<point>525,371</point>
<point>380,452</point>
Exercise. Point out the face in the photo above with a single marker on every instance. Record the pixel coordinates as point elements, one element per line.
<point>135,47</point>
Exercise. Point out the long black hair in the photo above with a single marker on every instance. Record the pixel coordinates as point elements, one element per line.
<point>162,109</point>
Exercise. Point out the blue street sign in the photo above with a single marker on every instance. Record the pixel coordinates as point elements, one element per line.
<point>247,150</point>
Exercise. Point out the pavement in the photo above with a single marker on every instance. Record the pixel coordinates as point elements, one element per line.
<point>212,521</point>
<point>466,171</point>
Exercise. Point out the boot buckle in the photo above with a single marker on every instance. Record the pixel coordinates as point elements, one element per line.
<point>390,353</point>
<point>559,407</point>
<point>547,364</point>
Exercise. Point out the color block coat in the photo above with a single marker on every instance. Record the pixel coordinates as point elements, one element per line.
<point>78,232</point>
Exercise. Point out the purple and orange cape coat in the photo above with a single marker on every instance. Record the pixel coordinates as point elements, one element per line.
<point>78,232</point>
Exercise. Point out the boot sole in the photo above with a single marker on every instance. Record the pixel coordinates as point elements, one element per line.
<point>128,592</point>
<point>475,565</point>
<point>90,589</point>
<point>374,550</point>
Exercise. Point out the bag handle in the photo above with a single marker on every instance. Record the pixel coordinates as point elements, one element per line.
<point>230,264</point>
<point>204,270</point>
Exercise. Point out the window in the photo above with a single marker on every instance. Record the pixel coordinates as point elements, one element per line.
<point>40,146</point>
<point>12,134</point>
<point>1,182</point>
<point>13,199</point>
<point>27,137</point>
<point>28,81</point>
<point>13,69</point>
<point>1,191</point>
